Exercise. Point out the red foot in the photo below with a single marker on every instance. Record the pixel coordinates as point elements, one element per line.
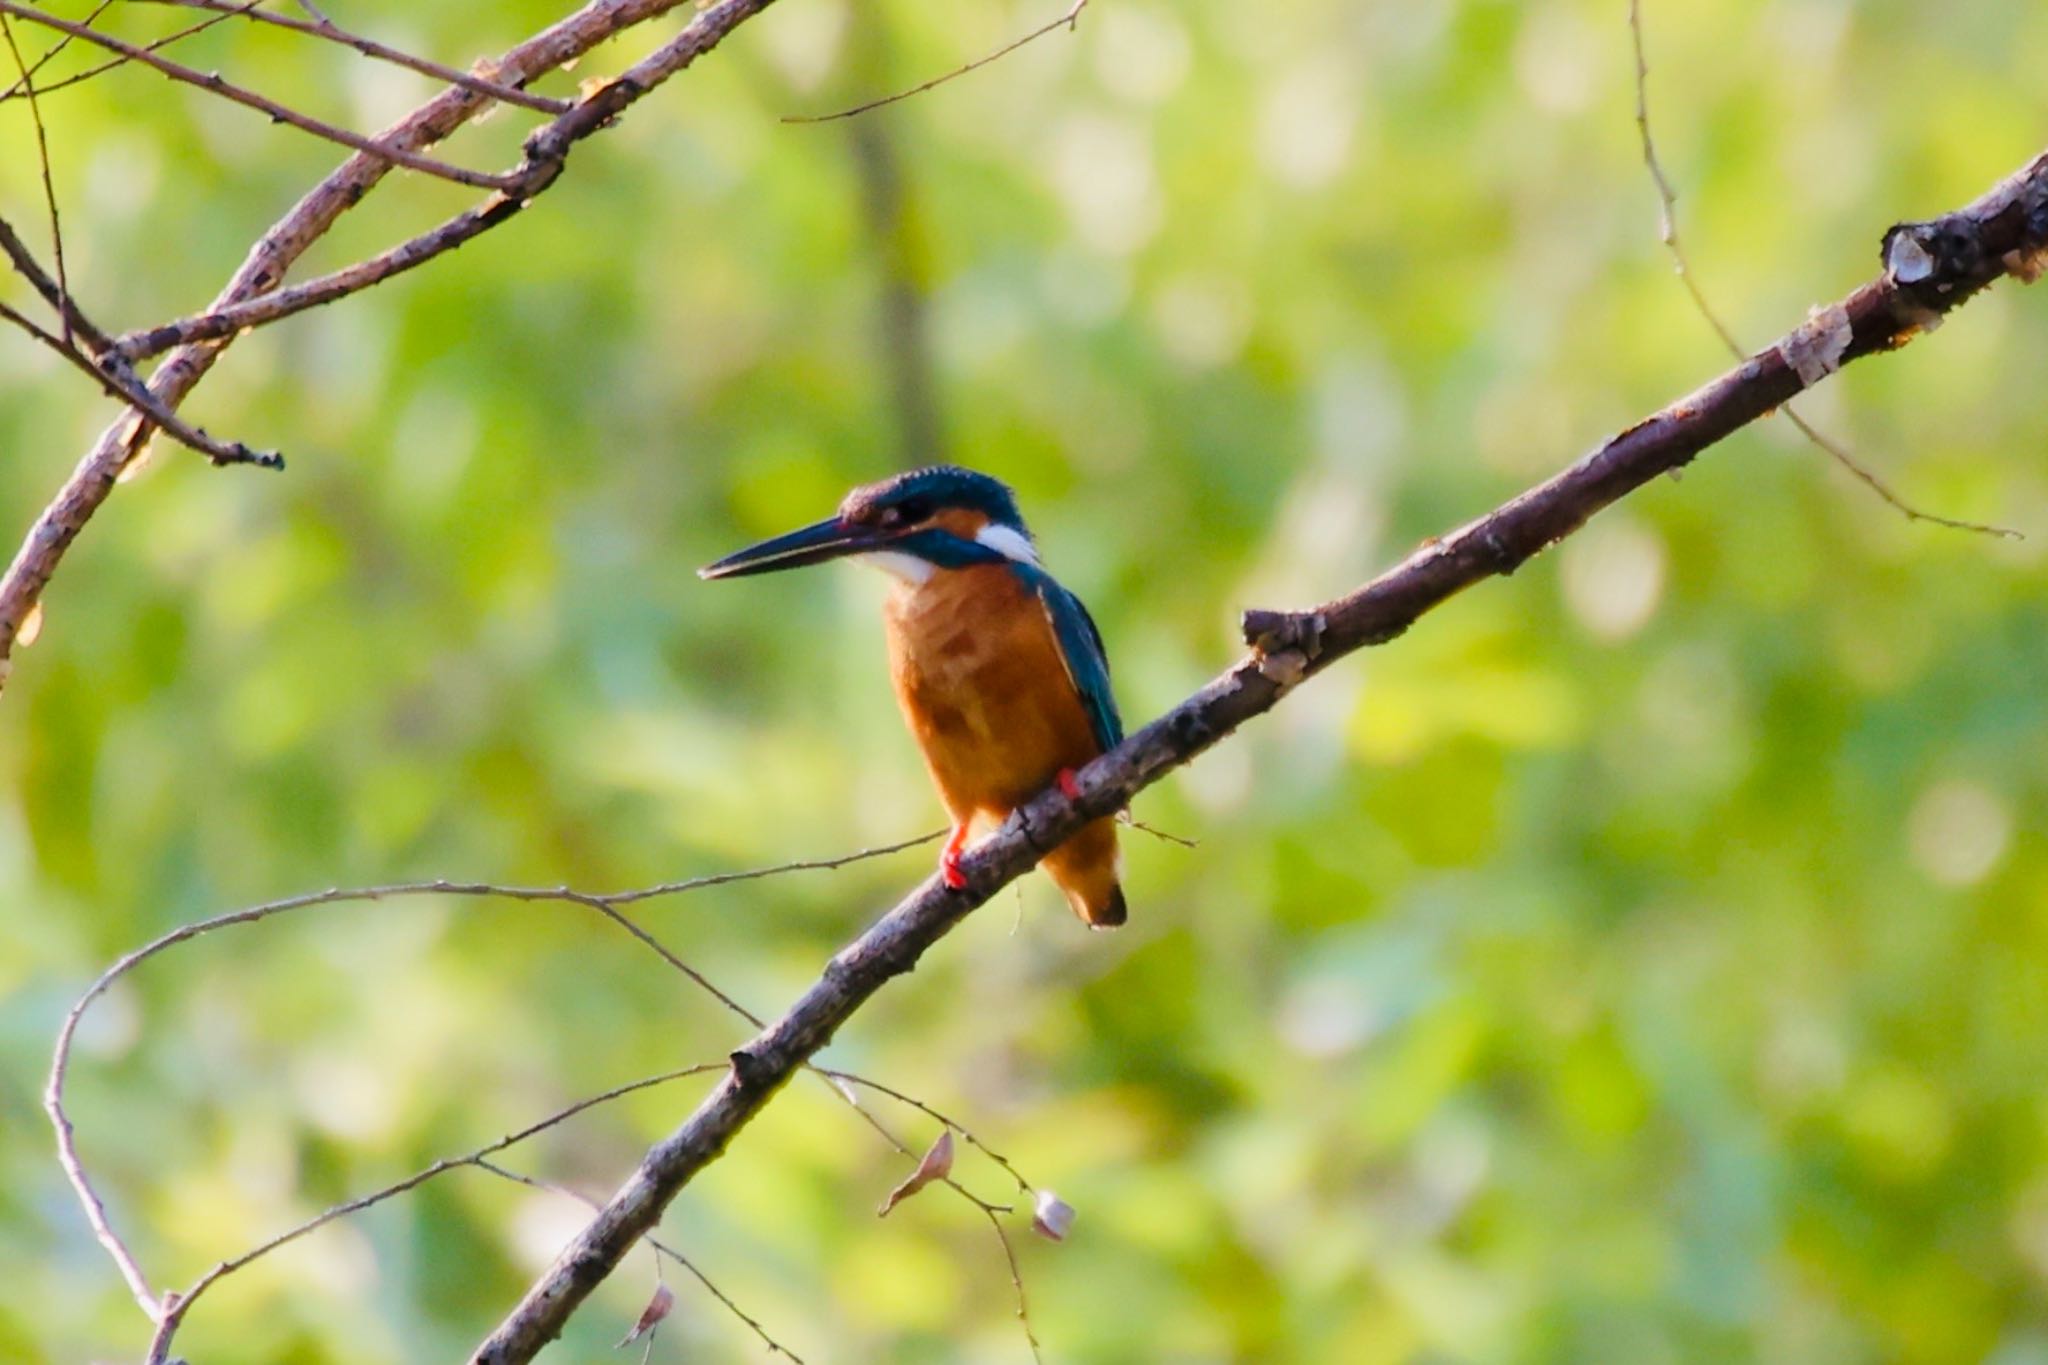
<point>949,859</point>
<point>1069,784</point>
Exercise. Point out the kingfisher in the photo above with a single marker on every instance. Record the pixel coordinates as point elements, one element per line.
<point>999,670</point>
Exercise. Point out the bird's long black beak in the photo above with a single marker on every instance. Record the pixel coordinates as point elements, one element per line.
<point>814,544</point>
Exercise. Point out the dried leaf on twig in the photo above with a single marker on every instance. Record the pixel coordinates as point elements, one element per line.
<point>937,1165</point>
<point>659,1307</point>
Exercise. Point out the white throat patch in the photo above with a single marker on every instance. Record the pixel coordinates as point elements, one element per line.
<point>896,564</point>
<point>1008,543</point>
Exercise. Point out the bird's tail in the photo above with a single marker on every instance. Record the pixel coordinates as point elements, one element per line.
<point>1088,869</point>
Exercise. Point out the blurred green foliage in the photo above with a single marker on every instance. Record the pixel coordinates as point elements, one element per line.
<point>1646,959</point>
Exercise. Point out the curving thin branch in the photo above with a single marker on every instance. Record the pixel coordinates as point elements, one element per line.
<point>25,78</point>
<point>1681,264</point>
<point>1068,21</point>
<point>1930,268</point>
<point>167,1311</point>
<point>605,904</point>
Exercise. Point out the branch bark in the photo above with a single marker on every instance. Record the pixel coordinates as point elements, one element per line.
<point>1930,268</point>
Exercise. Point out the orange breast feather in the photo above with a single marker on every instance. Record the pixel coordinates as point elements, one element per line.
<point>980,679</point>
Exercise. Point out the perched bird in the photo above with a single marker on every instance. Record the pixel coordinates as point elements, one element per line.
<point>999,670</point>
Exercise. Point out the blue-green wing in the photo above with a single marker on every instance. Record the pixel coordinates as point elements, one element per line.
<point>1081,650</point>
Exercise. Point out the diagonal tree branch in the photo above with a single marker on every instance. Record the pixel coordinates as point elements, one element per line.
<point>93,480</point>
<point>1930,268</point>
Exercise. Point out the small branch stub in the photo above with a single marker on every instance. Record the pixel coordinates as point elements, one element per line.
<point>1285,642</point>
<point>747,1069</point>
<point>1269,632</point>
<point>1939,262</point>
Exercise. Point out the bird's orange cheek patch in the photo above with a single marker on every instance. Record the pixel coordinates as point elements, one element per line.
<point>963,522</point>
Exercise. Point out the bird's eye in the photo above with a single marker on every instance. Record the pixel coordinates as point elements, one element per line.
<point>907,513</point>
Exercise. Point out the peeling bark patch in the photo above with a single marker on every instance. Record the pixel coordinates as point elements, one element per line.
<point>2027,265</point>
<point>1815,349</point>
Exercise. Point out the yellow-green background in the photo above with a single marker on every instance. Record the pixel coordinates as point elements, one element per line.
<point>1646,959</point>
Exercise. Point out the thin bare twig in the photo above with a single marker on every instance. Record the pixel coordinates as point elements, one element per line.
<point>1164,836</point>
<point>1024,1186</point>
<point>118,380</point>
<point>80,77</point>
<point>1667,199</point>
<point>214,83</point>
<point>95,1207</point>
<point>1068,21</point>
<point>60,301</point>
<point>22,81</point>
<point>1017,1285</point>
<point>322,27</point>
<point>988,1209</point>
<point>755,874</point>
<point>230,319</point>
<point>26,79</point>
<point>428,1172</point>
